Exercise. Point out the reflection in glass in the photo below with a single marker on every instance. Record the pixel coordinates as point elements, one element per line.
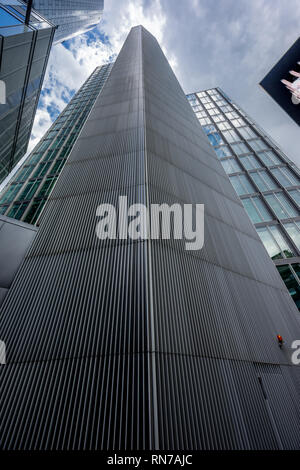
<point>293,230</point>
<point>291,282</point>
<point>215,139</point>
<point>256,209</point>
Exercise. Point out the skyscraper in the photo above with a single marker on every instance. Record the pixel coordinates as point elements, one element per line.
<point>267,182</point>
<point>25,195</point>
<point>140,344</point>
<point>73,17</point>
<point>24,55</point>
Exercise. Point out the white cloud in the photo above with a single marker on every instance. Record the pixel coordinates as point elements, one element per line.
<point>69,68</point>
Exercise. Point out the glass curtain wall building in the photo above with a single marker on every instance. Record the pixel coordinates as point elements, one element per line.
<point>25,195</point>
<point>24,53</point>
<point>267,182</point>
<point>73,17</point>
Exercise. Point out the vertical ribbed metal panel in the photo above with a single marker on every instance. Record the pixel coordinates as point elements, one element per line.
<point>131,345</point>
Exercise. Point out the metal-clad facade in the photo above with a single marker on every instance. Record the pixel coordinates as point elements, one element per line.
<point>123,344</point>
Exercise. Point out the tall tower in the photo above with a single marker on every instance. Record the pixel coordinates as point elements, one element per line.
<point>24,197</point>
<point>267,182</point>
<point>24,56</point>
<point>72,17</point>
<point>140,344</point>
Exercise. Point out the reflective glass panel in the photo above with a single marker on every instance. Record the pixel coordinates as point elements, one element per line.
<point>223,151</point>
<point>240,148</point>
<point>215,139</point>
<point>294,232</point>
<point>291,283</point>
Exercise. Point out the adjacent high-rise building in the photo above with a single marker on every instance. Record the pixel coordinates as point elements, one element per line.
<point>24,55</point>
<point>72,17</point>
<point>138,343</point>
<point>28,190</point>
<point>267,182</point>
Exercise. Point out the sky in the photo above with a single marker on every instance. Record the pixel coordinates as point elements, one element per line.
<point>231,44</point>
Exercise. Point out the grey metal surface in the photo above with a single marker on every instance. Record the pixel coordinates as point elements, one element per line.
<point>143,345</point>
<point>15,239</point>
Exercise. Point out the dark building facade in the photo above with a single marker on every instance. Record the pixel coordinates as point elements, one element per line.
<point>123,344</point>
<point>27,192</point>
<point>73,17</point>
<point>24,53</point>
<point>265,179</point>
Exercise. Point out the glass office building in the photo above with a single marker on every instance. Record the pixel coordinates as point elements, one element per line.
<point>267,182</point>
<point>73,17</point>
<point>25,195</point>
<point>23,59</point>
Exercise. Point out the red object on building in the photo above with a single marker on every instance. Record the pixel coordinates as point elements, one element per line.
<point>280,340</point>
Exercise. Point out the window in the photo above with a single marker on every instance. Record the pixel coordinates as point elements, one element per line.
<point>247,133</point>
<point>258,144</point>
<point>213,111</point>
<point>41,169</point>
<point>47,186</point>
<point>230,165</point>
<point>11,192</point>
<point>231,136</point>
<point>52,134</point>
<point>35,158</point>
<point>219,99</point>
<point>209,128</point>
<point>215,139</point>
<point>57,167</point>
<point>269,158</point>
<point>263,180</point>
<point>232,115</point>
<point>274,242</point>
<point>201,94</point>
<point>204,99</point>
<point>29,190</point>
<point>6,19</point>
<point>197,108</point>
<point>18,210</point>
<point>201,114</point>
<point>250,162</point>
<point>256,209</point>
<point>223,151</point>
<point>218,118</point>
<point>241,184</point>
<point>24,173</point>
<point>281,205</point>
<point>209,106</point>
<point>238,122</point>
<point>204,121</point>
<point>224,125</point>
<point>293,229</point>
<point>285,176</point>
<point>34,211</point>
<point>295,195</point>
<point>226,108</point>
<point>44,145</point>
<point>240,148</point>
<point>3,209</point>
